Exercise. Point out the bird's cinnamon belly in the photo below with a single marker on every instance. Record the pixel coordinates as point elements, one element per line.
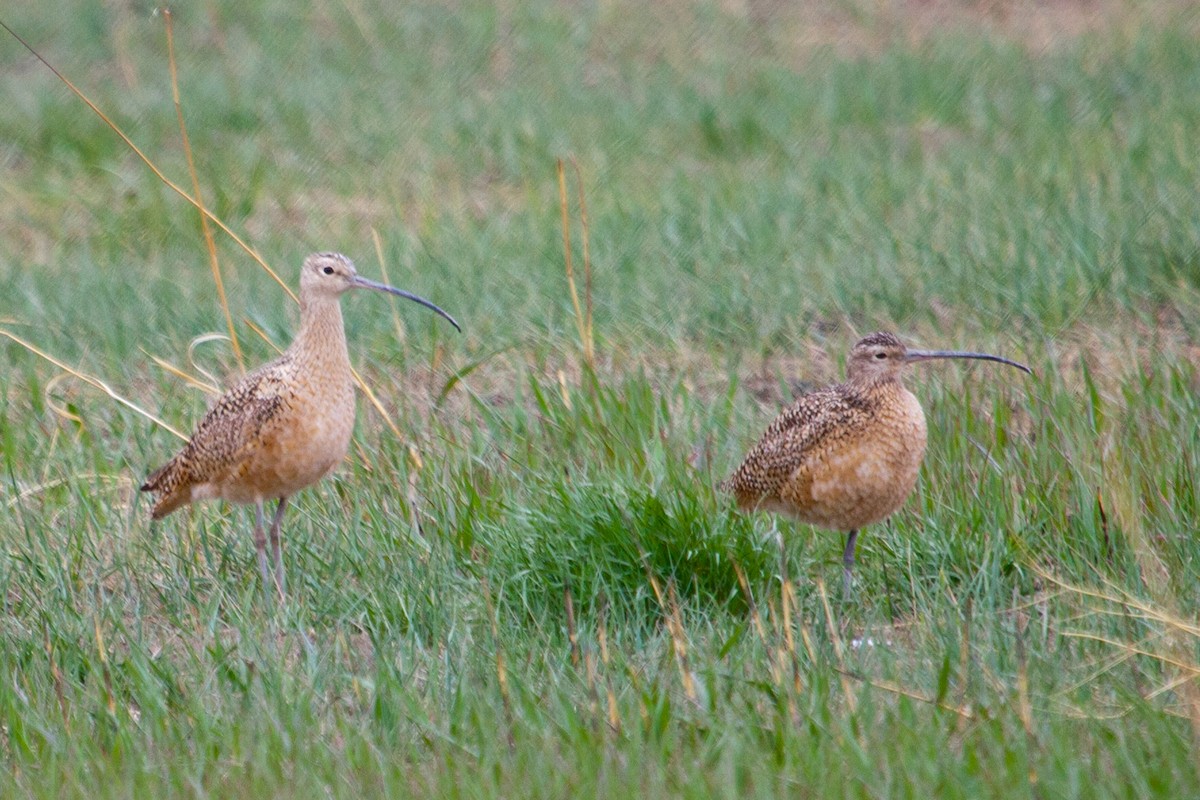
<point>293,455</point>
<point>852,490</point>
<point>858,482</point>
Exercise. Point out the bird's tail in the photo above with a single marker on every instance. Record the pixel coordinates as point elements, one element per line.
<point>168,503</point>
<point>173,493</point>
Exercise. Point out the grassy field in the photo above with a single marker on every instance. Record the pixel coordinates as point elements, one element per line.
<point>531,588</point>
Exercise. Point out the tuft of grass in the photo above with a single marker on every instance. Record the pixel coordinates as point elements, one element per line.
<point>604,542</point>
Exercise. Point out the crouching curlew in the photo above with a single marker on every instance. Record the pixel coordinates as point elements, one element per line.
<point>845,456</point>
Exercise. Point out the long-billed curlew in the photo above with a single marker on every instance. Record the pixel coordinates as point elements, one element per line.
<point>845,456</point>
<point>283,426</point>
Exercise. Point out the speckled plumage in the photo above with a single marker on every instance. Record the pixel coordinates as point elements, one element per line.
<point>841,457</point>
<point>283,426</point>
<point>847,455</point>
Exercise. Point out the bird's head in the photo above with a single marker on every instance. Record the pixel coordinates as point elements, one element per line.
<point>326,275</point>
<point>330,275</point>
<point>883,355</point>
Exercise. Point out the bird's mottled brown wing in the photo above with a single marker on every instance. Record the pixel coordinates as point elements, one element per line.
<point>791,439</point>
<point>223,436</point>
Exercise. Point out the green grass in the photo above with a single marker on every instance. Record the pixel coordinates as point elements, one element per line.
<point>762,188</point>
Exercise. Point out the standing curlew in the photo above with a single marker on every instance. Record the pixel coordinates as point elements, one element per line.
<point>283,426</point>
<point>847,455</point>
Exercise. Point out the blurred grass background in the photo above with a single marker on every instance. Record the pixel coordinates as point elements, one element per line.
<point>764,184</point>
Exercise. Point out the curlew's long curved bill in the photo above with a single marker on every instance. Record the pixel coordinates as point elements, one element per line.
<point>366,283</point>
<point>927,355</point>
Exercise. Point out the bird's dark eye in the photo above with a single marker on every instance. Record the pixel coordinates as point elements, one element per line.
<point>328,270</point>
<point>881,355</point>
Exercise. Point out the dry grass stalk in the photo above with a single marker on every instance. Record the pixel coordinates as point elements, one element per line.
<point>582,321</point>
<point>572,633</point>
<point>415,465</point>
<point>120,481</point>
<point>669,604</point>
<point>91,381</point>
<point>1176,635</point>
<point>167,366</point>
<point>851,698</point>
<point>790,604</point>
<point>57,677</point>
<point>894,688</point>
<point>501,668</point>
<point>378,243</point>
<point>110,700</point>
<point>756,618</point>
<point>204,227</point>
<point>589,342</point>
<point>1024,707</point>
<point>153,168</point>
<point>614,718</point>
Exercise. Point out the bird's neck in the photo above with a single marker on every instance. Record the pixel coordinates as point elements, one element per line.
<point>322,337</point>
<point>871,386</point>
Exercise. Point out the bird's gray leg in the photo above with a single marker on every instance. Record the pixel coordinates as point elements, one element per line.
<point>848,563</point>
<point>276,547</point>
<point>260,547</point>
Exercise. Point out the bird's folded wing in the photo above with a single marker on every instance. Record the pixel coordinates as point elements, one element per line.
<point>793,438</point>
<point>230,429</point>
